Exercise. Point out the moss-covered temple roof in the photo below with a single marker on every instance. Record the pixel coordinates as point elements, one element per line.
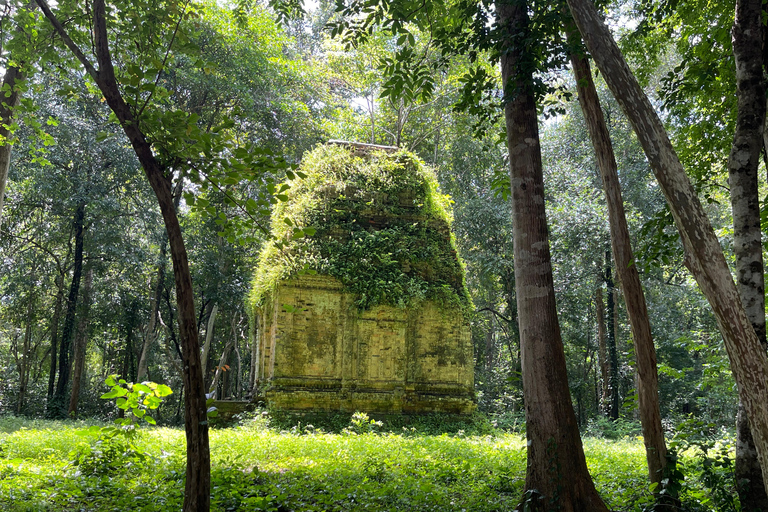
<point>381,227</point>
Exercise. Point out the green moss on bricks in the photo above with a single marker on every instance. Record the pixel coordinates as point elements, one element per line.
<point>381,227</point>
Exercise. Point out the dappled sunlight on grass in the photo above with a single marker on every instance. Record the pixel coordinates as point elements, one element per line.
<point>255,468</point>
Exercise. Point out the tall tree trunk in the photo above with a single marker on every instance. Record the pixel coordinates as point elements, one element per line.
<point>81,343</point>
<point>151,332</point>
<point>637,311</point>
<point>745,203</point>
<point>704,256</point>
<point>557,472</point>
<point>605,372</point>
<point>23,362</point>
<point>55,334</point>
<point>612,353</point>
<point>57,407</point>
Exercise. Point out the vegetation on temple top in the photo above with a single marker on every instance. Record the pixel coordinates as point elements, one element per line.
<point>378,224</point>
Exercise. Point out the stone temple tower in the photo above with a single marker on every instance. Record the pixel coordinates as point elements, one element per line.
<point>359,302</point>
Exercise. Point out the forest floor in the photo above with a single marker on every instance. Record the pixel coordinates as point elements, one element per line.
<point>62,466</point>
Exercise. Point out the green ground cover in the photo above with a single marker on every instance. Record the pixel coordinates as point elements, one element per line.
<point>59,466</point>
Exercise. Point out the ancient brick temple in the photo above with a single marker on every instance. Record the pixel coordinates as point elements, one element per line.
<point>382,325</point>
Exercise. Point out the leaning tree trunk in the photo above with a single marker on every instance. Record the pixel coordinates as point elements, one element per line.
<point>57,407</point>
<point>637,311</point>
<point>557,472</point>
<point>745,204</point>
<point>81,343</point>
<point>198,475</point>
<point>703,254</point>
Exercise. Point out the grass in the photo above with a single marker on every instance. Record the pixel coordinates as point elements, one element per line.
<point>258,468</point>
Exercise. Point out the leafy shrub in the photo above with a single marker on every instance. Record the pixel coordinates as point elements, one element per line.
<point>360,423</point>
<point>115,447</point>
<point>605,428</point>
<point>701,467</point>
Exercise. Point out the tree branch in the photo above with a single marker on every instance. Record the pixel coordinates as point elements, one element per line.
<point>508,320</point>
<point>67,40</point>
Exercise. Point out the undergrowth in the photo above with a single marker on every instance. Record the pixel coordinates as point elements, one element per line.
<point>269,464</point>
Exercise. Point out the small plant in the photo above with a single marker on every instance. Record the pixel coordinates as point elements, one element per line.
<point>115,446</point>
<point>135,399</point>
<point>360,423</point>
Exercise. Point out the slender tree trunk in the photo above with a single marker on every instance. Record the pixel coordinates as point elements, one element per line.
<point>557,472</point>
<point>198,475</point>
<point>55,334</point>
<point>57,407</point>
<point>612,353</point>
<point>637,311</point>
<point>745,203</point>
<point>81,342</point>
<point>208,338</point>
<point>239,386</point>
<point>23,360</point>
<point>220,367</point>
<point>605,371</point>
<point>704,256</point>
<point>151,332</point>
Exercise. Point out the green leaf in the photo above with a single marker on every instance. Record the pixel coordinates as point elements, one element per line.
<point>163,390</point>
<point>111,394</point>
<point>142,387</point>
<point>150,420</point>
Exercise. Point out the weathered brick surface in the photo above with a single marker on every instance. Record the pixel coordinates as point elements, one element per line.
<point>326,355</point>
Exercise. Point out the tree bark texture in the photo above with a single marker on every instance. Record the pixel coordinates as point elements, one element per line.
<point>57,407</point>
<point>557,474</point>
<point>198,473</point>
<point>637,311</point>
<point>704,256</point>
<point>81,342</point>
<point>605,372</point>
<point>743,161</point>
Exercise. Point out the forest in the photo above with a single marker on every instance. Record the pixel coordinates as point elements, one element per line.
<point>605,169</point>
